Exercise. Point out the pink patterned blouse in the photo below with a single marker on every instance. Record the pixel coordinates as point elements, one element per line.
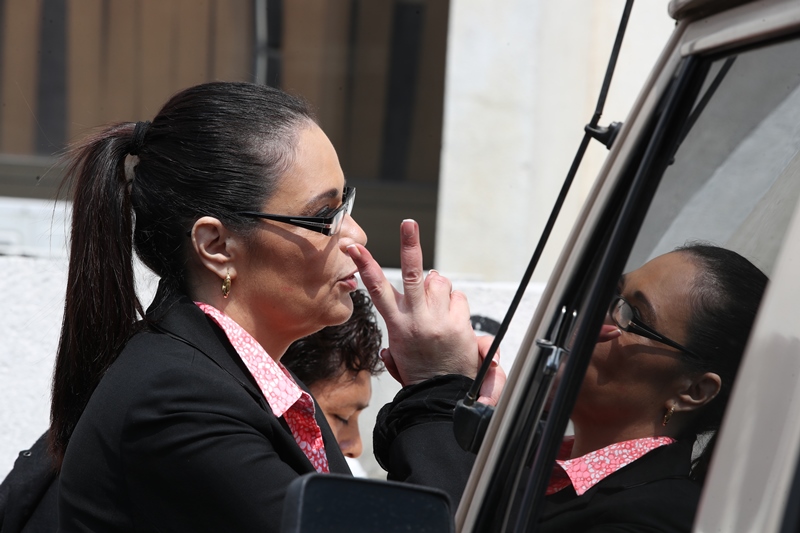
<point>588,470</point>
<point>283,395</point>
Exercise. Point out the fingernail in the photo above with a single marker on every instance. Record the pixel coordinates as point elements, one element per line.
<point>496,360</point>
<point>353,250</point>
<point>433,271</point>
<point>408,227</point>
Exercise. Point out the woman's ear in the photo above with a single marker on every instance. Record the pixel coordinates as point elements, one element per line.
<point>214,247</point>
<point>698,392</point>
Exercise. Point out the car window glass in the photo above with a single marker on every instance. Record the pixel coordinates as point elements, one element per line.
<point>736,175</point>
<point>722,152</point>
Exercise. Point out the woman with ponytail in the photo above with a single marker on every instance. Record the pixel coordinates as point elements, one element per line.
<point>658,382</point>
<point>181,417</point>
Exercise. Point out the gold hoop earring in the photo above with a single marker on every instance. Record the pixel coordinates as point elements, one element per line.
<point>668,415</point>
<point>226,286</point>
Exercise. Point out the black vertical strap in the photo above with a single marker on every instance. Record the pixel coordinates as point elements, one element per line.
<point>472,395</point>
<point>499,514</point>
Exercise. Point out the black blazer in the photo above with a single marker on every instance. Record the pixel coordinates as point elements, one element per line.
<point>178,437</point>
<point>29,494</point>
<point>652,494</point>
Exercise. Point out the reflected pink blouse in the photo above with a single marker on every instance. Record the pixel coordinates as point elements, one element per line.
<point>588,470</point>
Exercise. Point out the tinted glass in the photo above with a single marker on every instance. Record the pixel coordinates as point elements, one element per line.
<point>736,174</point>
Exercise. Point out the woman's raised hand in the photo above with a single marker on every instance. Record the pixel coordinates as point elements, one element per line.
<point>428,324</point>
<point>495,378</point>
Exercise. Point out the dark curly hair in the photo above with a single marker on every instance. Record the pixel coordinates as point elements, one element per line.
<point>333,350</point>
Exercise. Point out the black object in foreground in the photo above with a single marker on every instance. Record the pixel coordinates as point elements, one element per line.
<point>343,504</point>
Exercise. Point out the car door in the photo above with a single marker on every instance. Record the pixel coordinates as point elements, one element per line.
<point>710,152</point>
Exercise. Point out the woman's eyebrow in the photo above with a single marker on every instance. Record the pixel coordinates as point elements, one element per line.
<point>648,311</point>
<point>314,203</point>
<point>331,193</point>
<point>639,299</point>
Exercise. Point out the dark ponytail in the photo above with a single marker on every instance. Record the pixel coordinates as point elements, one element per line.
<point>726,297</point>
<point>214,149</point>
<point>100,276</point>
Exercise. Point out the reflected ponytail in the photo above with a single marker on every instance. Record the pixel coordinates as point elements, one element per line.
<point>726,298</point>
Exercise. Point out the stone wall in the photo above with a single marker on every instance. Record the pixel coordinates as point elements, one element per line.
<point>30,319</point>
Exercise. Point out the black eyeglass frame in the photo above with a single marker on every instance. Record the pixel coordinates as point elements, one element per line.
<point>326,225</point>
<point>638,327</point>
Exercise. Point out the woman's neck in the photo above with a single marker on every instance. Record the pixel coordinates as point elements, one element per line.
<point>275,345</point>
<point>589,438</point>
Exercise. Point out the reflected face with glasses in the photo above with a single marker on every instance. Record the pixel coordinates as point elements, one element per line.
<point>295,275</point>
<point>638,366</point>
<point>624,315</point>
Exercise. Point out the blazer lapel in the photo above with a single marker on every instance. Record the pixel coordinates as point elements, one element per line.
<point>670,461</point>
<point>181,319</point>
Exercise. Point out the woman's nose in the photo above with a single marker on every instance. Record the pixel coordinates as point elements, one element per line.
<point>351,233</point>
<point>351,443</point>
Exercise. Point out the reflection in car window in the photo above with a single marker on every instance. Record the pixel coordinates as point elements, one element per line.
<point>737,172</point>
<point>732,183</point>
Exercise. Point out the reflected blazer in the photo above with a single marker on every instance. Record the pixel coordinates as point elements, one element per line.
<point>178,437</point>
<point>652,494</point>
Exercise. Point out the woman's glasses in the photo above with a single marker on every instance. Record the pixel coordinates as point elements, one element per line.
<point>623,315</point>
<point>329,225</point>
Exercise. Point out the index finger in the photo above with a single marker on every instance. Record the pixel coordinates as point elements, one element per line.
<point>411,263</point>
<point>484,344</point>
<point>383,295</point>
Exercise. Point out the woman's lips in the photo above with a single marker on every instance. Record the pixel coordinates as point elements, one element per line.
<point>350,281</point>
<point>608,332</point>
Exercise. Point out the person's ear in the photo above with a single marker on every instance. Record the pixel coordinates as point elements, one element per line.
<point>215,246</point>
<point>698,392</point>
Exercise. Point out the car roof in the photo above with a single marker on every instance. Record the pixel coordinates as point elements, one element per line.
<point>681,9</point>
